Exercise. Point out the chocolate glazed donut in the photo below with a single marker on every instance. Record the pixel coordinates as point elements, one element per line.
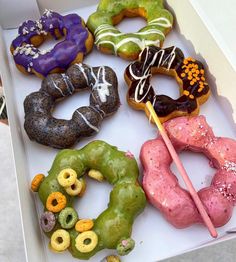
<point>188,72</point>
<point>42,127</point>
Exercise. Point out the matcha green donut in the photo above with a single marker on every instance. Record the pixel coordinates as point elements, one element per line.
<point>110,12</point>
<point>113,226</point>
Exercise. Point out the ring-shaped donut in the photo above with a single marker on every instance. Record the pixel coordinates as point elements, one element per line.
<point>128,45</point>
<point>77,43</point>
<point>161,185</point>
<point>188,72</point>
<point>42,127</point>
<point>112,228</point>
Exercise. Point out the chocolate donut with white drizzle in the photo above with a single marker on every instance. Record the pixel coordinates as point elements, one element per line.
<point>42,127</point>
<point>188,72</point>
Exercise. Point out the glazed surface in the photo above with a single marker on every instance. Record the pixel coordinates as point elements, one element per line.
<point>127,198</point>
<point>102,25</point>
<point>62,54</point>
<point>42,127</point>
<point>169,61</point>
<point>161,185</point>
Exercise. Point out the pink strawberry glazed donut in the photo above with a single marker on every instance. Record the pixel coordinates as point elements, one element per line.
<point>161,185</point>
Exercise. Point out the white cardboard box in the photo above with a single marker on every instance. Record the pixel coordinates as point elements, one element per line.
<point>152,233</point>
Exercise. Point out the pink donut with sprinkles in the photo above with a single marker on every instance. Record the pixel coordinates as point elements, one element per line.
<point>161,185</point>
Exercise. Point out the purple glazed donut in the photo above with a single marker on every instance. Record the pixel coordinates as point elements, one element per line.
<point>31,34</point>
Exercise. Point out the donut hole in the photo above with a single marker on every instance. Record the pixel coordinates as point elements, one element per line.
<point>102,192</point>
<point>45,221</point>
<point>165,85</point>
<point>131,25</point>
<point>59,240</point>
<point>65,108</point>
<point>54,202</point>
<point>87,241</point>
<point>68,219</point>
<point>49,42</point>
<point>197,167</point>
<point>66,175</point>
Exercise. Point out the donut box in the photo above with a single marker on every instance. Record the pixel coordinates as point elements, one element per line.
<point>127,129</point>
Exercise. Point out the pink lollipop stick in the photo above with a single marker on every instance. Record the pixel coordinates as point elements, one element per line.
<point>183,172</point>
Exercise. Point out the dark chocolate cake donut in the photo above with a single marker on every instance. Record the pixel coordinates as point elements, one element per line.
<point>42,127</point>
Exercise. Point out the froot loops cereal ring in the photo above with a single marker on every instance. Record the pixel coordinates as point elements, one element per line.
<point>81,193</point>
<point>75,189</point>
<point>29,59</point>
<point>127,199</point>
<point>85,242</point>
<point>37,180</point>
<point>56,201</point>
<point>188,72</point>
<point>84,225</point>
<point>60,240</point>
<point>68,217</point>
<point>110,40</point>
<point>162,187</point>
<point>47,221</point>
<point>95,174</point>
<point>67,177</point>
<point>41,126</point>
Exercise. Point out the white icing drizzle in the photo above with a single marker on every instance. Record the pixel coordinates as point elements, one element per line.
<point>3,104</point>
<point>139,90</point>
<point>81,68</point>
<point>94,77</point>
<point>148,32</point>
<point>57,87</point>
<point>101,87</point>
<point>161,21</point>
<point>68,83</point>
<point>141,43</point>
<point>87,122</point>
<point>100,34</point>
<point>170,58</point>
<point>104,27</point>
<point>99,110</point>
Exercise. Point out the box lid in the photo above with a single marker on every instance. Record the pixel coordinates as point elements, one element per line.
<point>220,19</point>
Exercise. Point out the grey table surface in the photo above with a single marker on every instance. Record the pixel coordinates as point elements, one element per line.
<point>11,238</point>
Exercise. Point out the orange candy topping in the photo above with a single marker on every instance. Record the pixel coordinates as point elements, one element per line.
<point>37,180</point>
<point>193,74</point>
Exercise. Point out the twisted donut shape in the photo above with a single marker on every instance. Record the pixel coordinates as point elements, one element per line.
<point>162,187</point>
<point>42,127</point>
<point>114,225</point>
<point>128,46</point>
<point>31,34</point>
<point>188,72</point>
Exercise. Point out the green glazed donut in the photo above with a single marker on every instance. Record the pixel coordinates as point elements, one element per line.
<point>110,12</point>
<point>113,226</point>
